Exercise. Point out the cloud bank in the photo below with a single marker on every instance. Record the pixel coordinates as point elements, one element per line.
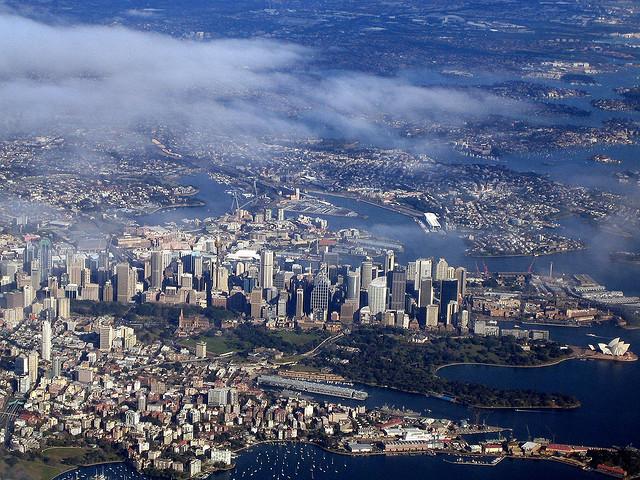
<point>99,77</point>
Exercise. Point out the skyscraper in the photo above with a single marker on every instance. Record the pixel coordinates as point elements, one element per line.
<point>424,267</point>
<point>33,367</point>
<point>353,284</point>
<point>398,288</point>
<point>425,292</point>
<point>461,277</point>
<point>28,256</point>
<point>299,303</point>
<point>106,337</point>
<point>45,258</point>
<point>320,297</point>
<point>389,261</point>
<point>366,273</point>
<point>157,268</point>
<point>442,269</point>
<point>448,293</point>
<point>377,293</point>
<point>45,349</point>
<point>266,269</point>
<point>125,283</point>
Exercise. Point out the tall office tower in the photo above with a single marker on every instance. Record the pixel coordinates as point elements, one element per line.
<point>75,265</point>
<point>432,316</point>
<point>451,273</point>
<point>125,283</point>
<point>268,214</point>
<point>366,273</point>
<point>142,402</point>
<point>33,367</point>
<point>442,269</point>
<point>106,337</point>
<point>411,274</point>
<point>448,293</point>
<point>320,297</point>
<point>222,279</point>
<point>266,269</point>
<point>157,268</point>
<point>63,306</point>
<point>256,303</point>
<point>452,312</point>
<point>283,301</point>
<point>197,266</point>
<point>21,365</point>
<point>45,258</point>
<point>463,318</point>
<point>424,268</point>
<point>36,274</point>
<point>180,271</point>
<point>85,277</point>
<point>353,284</point>
<point>398,288</point>
<point>281,214</point>
<point>425,292</point>
<point>331,258</point>
<point>28,256</point>
<point>389,261</point>
<point>28,295</point>
<point>107,292</point>
<point>377,294</point>
<point>461,277</point>
<point>299,303</point>
<point>45,348</point>
<point>56,366</point>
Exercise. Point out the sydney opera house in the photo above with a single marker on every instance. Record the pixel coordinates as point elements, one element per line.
<point>615,347</point>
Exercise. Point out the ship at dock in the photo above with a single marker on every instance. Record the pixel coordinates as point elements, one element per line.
<point>312,387</point>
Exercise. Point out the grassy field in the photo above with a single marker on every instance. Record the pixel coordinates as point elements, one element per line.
<point>290,342</point>
<point>47,464</point>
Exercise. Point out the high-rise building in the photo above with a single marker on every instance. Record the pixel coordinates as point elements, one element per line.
<point>377,293</point>
<point>63,307</point>
<point>320,297</point>
<point>424,267</point>
<point>45,258</point>
<point>432,316</point>
<point>56,366</point>
<point>45,349</point>
<point>266,269</point>
<point>461,277</point>
<point>299,303</point>
<point>36,274</point>
<point>353,284</point>
<point>256,303</point>
<point>28,256</point>
<point>452,312</point>
<point>448,293</point>
<point>33,367</point>
<point>366,274</point>
<point>75,265</point>
<point>425,292</point>
<point>106,337</point>
<point>125,283</point>
<point>157,268</point>
<point>442,269</point>
<point>107,292</point>
<point>389,261</point>
<point>21,365</point>
<point>398,281</point>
